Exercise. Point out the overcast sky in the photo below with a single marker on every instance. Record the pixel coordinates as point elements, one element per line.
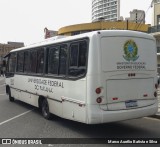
<point>25,20</point>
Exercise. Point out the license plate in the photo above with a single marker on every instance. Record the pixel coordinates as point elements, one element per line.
<point>131,103</point>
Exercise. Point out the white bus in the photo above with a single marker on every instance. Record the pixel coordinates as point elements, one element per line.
<point>96,77</point>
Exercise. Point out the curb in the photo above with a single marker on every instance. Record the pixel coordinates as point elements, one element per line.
<point>156,116</point>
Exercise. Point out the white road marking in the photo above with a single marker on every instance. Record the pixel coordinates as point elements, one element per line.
<point>15,117</point>
<point>152,118</point>
<point>2,93</point>
<point>2,85</point>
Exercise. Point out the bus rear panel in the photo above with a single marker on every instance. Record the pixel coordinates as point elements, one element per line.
<point>124,77</point>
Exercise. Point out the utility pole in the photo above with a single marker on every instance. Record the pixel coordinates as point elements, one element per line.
<point>152,4</point>
<point>127,24</point>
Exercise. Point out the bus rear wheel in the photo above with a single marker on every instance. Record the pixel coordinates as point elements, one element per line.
<point>45,109</point>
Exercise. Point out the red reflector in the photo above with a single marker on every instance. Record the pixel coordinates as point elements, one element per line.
<point>145,95</point>
<point>98,90</point>
<point>115,98</point>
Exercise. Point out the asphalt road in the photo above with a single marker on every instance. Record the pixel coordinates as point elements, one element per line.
<point>20,120</point>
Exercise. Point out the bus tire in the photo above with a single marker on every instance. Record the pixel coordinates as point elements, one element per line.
<point>45,109</point>
<point>11,99</point>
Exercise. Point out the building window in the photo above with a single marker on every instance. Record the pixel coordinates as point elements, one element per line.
<point>75,33</point>
<point>158,49</point>
<point>158,19</point>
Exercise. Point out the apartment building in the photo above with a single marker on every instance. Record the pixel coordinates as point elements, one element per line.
<point>109,10</point>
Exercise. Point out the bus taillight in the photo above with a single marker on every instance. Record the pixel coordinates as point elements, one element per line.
<point>99,100</point>
<point>156,86</point>
<point>98,90</point>
<point>155,94</point>
<point>115,98</point>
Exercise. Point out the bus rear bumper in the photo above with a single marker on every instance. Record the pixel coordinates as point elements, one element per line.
<point>97,115</point>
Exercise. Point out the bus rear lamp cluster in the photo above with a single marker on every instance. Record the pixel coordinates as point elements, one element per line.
<point>115,98</point>
<point>145,95</point>
<point>99,100</point>
<point>98,90</point>
<point>156,86</point>
<point>155,94</point>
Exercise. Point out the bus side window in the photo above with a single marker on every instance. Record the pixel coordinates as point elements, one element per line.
<point>40,60</point>
<point>63,60</point>
<point>33,59</point>
<point>82,54</point>
<point>53,60</point>
<point>26,62</point>
<point>20,59</point>
<point>78,58</point>
<point>12,63</point>
<point>74,55</point>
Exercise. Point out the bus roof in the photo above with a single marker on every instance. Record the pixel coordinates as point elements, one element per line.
<point>107,33</point>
